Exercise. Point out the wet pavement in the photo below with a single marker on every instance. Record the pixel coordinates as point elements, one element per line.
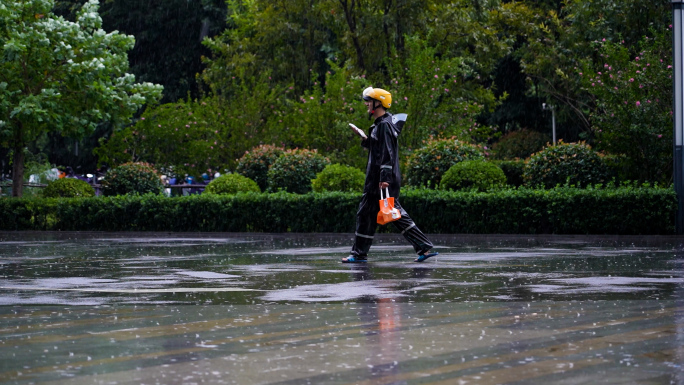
<point>136,308</point>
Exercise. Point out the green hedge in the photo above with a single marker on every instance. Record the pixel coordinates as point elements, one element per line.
<point>515,211</point>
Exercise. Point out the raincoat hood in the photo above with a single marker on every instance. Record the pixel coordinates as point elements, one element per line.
<point>399,120</point>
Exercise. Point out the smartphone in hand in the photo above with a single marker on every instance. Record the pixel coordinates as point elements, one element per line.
<point>358,131</point>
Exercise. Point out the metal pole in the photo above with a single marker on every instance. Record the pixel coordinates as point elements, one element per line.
<point>678,100</point>
<point>553,118</point>
<point>553,123</point>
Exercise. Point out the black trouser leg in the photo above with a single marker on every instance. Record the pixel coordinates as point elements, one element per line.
<point>366,223</point>
<point>410,231</point>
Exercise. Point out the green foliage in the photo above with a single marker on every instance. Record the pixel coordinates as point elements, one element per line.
<point>473,175</point>
<point>575,164</point>
<point>633,97</point>
<point>68,188</point>
<point>320,118</point>
<point>190,137</point>
<point>132,178</point>
<point>254,163</point>
<point>231,184</point>
<point>61,76</point>
<point>519,144</point>
<point>564,210</point>
<point>294,170</point>
<point>625,210</point>
<point>427,165</point>
<point>440,94</point>
<point>337,177</point>
<point>513,169</point>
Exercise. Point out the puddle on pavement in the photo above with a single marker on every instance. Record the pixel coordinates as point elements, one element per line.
<point>113,308</point>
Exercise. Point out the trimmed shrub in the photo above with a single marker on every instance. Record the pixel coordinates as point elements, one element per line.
<point>231,184</point>
<point>575,164</point>
<point>294,170</point>
<point>255,163</point>
<point>132,178</point>
<point>337,177</point>
<point>519,144</point>
<point>624,210</point>
<point>68,188</point>
<point>473,175</point>
<point>513,169</point>
<point>427,165</point>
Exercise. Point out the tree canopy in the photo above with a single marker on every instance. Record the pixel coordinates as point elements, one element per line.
<point>241,73</point>
<point>61,76</point>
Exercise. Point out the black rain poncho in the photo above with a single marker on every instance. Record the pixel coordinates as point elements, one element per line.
<point>383,166</point>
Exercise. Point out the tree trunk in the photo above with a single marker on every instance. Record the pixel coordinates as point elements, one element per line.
<point>18,171</point>
<point>350,17</point>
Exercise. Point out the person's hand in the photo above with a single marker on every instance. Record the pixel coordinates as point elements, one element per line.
<point>384,185</point>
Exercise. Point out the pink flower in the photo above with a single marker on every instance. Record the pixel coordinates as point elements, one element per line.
<point>405,98</point>
<point>142,118</point>
<point>631,80</point>
<point>636,58</point>
<point>638,103</point>
<point>436,76</point>
<point>659,136</point>
<point>592,84</point>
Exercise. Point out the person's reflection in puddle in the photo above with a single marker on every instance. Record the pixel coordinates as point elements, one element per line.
<point>382,316</point>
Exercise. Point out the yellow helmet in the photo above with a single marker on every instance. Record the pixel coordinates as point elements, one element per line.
<point>384,97</point>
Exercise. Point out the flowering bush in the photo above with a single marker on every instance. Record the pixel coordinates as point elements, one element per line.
<point>633,96</point>
<point>427,165</point>
<point>572,163</point>
<point>473,174</point>
<point>231,184</point>
<point>255,163</point>
<point>337,177</point>
<point>132,178</point>
<point>68,188</point>
<point>519,144</point>
<point>294,170</point>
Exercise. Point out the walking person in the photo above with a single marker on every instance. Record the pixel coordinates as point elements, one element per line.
<point>382,172</point>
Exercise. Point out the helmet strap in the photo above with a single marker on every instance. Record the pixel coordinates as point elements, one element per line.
<point>375,106</point>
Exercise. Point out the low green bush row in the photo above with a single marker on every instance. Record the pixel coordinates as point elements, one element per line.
<point>625,210</point>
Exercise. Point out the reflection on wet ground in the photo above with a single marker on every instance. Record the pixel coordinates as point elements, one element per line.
<point>264,309</point>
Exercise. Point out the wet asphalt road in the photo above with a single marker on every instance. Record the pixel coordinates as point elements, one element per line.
<point>90,308</point>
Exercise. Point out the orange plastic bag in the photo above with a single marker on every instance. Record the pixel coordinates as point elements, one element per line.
<point>387,212</point>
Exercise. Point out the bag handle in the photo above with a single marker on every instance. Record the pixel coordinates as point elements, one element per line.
<point>386,193</point>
